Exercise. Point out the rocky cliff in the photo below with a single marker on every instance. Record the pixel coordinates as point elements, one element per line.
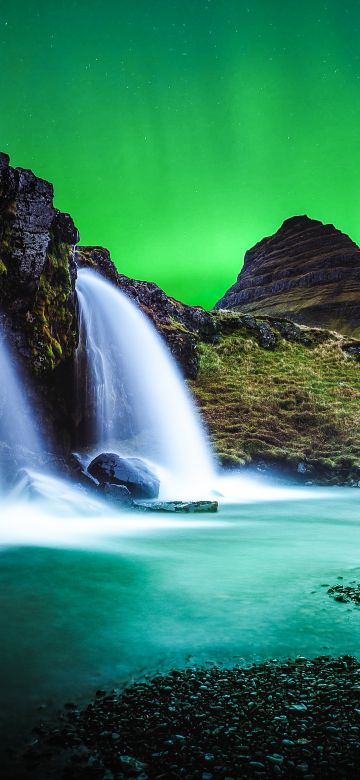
<point>37,280</point>
<point>307,272</point>
<point>38,305</point>
<point>37,269</point>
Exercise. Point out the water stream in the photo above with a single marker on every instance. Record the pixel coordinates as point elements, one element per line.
<point>19,430</point>
<point>91,601</point>
<point>136,399</point>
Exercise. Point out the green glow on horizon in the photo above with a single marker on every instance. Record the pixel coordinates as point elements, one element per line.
<point>178,133</point>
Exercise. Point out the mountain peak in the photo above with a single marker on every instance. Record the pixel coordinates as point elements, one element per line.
<point>307,271</point>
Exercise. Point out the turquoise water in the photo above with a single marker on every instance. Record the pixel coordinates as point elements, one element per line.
<point>118,599</point>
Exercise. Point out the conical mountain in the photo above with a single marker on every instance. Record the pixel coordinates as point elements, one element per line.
<point>307,272</point>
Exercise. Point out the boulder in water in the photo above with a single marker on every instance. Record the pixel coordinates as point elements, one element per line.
<point>118,494</point>
<point>133,473</point>
<point>79,473</point>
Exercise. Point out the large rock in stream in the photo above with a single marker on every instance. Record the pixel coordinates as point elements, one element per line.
<point>133,473</point>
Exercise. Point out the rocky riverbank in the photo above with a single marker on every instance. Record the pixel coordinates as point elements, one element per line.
<point>293,719</point>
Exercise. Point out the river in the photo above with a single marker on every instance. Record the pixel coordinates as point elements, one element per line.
<point>92,602</point>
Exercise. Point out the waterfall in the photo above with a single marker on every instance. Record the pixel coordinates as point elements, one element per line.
<point>131,394</point>
<point>19,436</point>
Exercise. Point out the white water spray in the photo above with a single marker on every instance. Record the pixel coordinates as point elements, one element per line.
<point>135,397</point>
<point>18,428</point>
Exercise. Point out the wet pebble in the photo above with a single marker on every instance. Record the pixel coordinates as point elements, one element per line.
<point>196,724</point>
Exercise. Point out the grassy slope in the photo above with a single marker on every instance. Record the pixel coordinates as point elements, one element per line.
<point>297,402</point>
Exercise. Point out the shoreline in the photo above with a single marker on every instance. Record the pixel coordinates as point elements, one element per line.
<point>298,718</point>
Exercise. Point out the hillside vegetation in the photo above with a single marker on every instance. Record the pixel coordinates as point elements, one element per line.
<point>277,393</point>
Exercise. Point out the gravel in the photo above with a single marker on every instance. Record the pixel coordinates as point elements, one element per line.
<point>346,593</point>
<point>293,719</point>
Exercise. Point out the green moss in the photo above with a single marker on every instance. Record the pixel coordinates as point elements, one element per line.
<point>52,333</point>
<point>174,326</point>
<point>3,268</point>
<point>291,403</point>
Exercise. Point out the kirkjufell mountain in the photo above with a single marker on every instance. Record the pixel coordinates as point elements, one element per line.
<point>307,272</point>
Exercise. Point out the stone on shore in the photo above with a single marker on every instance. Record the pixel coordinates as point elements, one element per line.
<point>177,506</point>
<point>298,718</point>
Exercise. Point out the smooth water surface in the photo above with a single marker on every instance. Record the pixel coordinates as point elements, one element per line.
<point>93,602</point>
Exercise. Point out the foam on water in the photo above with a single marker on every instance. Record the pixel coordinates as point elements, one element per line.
<point>54,513</point>
<point>235,488</point>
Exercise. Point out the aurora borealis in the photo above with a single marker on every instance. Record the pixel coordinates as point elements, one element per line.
<point>178,133</point>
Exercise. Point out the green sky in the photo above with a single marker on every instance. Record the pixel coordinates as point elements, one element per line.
<point>179,132</point>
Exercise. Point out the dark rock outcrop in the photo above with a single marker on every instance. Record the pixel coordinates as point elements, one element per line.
<point>37,294</point>
<point>37,269</point>
<point>307,272</point>
<point>38,273</point>
<point>132,473</point>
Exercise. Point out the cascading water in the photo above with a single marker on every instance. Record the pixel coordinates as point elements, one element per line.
<point>132,393</point>
<point>23,475</point>
<point>18,429</point>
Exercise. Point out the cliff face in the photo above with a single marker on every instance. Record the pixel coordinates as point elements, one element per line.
<point>38,273</point>
<point>37,269</point>
<point>307,272</point>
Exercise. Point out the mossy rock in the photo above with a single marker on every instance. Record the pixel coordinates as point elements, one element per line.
<point>52,327</point>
